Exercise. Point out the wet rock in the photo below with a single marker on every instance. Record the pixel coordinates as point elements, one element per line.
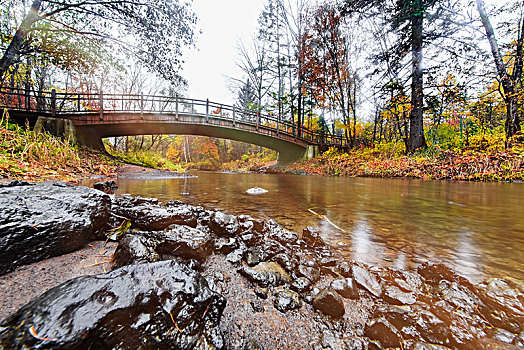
<point>185,242</point>
<point>107,186</point>
<point>223,224</point>
<point>346,287</point>
<point>286,300</point>
<point>410,345</point>
<point>312,237</point>
<point>384,332</point>
<point>367,280</point>
<point>134,249</point>
<point>519,340</point>
<point>276,232</point>
<point>301,285</point>
<point>344,269</point>
<point>288,262</point>
<point>140,305</point>
<point>146,214</point>
<point>504,304</point>
<point>395,296</point>
<point>261,293</point>
<point>235,257</point>
<point>44,220</point>
<point>225,245</point>
<point>329,303</point>
<point>434,273</point>
<point>489,344</point>
<point>267,274</point>
<point>256,306</point>
<point>503,335</point>
<point>253,345</point>
<point>311,273</point>
<point>253,257</point>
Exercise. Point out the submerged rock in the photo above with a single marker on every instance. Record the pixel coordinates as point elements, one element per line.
<point>158,305</point>
<point>107,186</point>
<point>39,221</point>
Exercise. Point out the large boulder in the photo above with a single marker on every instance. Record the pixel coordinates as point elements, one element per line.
<point>162,305</point>
<point>147,214</point>
<point>38,221</point>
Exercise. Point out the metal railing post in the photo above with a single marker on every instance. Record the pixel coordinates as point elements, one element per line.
<point>27,99</point>
<point>278,124</point>
<point>176,108</point>
<point>101,105</point>
<point>53,103</point>
<point>142,105</point>
<point>207,111</point>
<point>258,118</point>
<point>78,101</point>
<point>234,114</point>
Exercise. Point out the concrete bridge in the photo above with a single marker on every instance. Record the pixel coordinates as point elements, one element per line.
<point>87,118</point>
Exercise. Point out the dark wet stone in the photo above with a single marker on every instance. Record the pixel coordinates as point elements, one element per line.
<point>225,245</point>
<point>131,306</point>
<point>286,300</point>
<point>344,269</point>
<point>410,345</point>
<point>329,303</point>
<point>107,186</point>
<point>256,306</point>
<point>147,214</point>
<point>261,293</point>
<point>15,183</point>
<point>266,274</point>
<point>235,257</point>
<point>346,287</point>
<point>434,273</point>
<point>223,224</point>
<point>503,335</point>
<point>384,332</point>
<point>367,280</point>
<point>185,242</point>
<point>312,237</point>
<point>253,257</point>
<point>288,262</point>
<point>44,220</point>
<point>396,296</point>
<point>519,340</point>
<point>311,273</point>
<point>489,344</point>
<point>504,304</point>
<point>301,285</point>
<point>174,203</point>
<point>276,232</point>
<point>253,345</point>
<point>134,249</point>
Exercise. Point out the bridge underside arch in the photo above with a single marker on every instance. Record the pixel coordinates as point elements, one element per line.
<point>91,135</point>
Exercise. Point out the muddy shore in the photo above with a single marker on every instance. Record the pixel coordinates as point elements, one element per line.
<point>260,286</point>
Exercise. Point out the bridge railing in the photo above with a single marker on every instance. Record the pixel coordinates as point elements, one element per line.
<point>70,103</point>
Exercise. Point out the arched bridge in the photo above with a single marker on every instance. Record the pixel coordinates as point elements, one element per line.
<point>99,115</point>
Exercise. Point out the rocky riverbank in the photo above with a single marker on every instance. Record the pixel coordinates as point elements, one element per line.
<point>187,277</point>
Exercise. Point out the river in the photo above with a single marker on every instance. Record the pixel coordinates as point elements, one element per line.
<point>476,228</point>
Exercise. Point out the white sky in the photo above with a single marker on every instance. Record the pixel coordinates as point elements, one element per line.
<point>223,24</point>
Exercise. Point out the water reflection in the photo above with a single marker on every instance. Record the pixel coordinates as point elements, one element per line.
<point>478,228</point>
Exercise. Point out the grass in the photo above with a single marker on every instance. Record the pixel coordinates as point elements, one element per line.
<point>27,155</point>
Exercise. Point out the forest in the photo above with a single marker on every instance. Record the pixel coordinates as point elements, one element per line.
<point>394,79</point>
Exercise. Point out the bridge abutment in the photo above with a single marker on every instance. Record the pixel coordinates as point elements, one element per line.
<point>66,130</point>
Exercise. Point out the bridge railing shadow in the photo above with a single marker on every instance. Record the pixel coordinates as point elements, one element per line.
<point>74,104</point>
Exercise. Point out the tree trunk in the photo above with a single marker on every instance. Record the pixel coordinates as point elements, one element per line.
<point>416,131</point>
<point>508,82</point>
<point>14,47</point>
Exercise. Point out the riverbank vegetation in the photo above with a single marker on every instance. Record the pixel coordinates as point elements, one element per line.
<point>181,153</point>
<point>35,157</point>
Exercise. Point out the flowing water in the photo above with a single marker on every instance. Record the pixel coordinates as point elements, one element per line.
<point>476,228</point>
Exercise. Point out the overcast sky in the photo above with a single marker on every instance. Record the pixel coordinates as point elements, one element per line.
<point>223,24</point>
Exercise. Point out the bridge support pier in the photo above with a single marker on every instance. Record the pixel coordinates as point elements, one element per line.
<point>312,151</point>
<point>62,128</point>
<point>66,130</point>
